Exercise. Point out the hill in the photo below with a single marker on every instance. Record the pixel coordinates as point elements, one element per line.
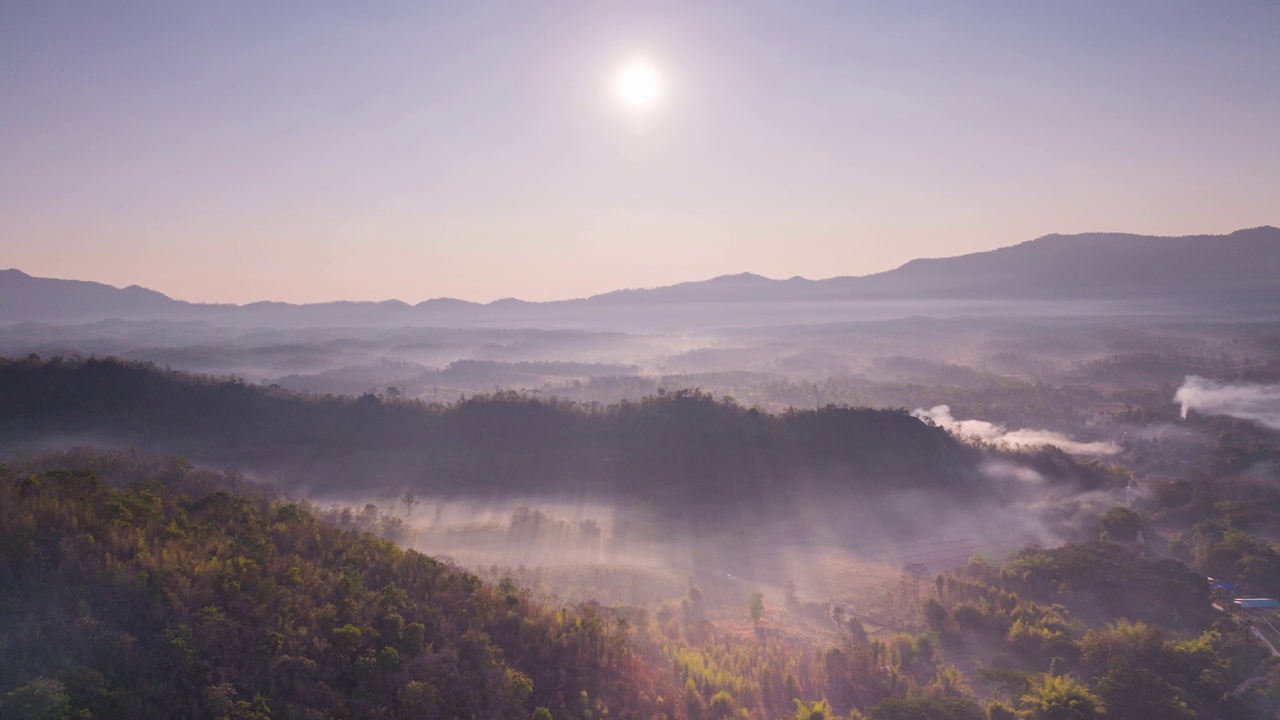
<point>137,586</point>
<point>685,450</point>
<point>172,597</point>
<point>1213,273</point>
<point>1243,265</point>
<point>715,485</point>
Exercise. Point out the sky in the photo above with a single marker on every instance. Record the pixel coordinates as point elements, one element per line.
<point>314,151</point>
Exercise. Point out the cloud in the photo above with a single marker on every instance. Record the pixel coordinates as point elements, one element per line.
<point>999,434</point>
<point>1257,403</point>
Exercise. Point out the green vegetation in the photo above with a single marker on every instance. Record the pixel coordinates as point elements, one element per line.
<point>169,598</point>
<point>1053,665</point>
<point>169,595</point>
<point>1223,528</point>
<point>132,586</point>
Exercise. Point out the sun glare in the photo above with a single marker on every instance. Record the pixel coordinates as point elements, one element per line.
<point>638,85</point>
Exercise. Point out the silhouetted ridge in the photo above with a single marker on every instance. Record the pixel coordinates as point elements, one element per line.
<point>683,450</point>
<point>1094,265</point>
<point>1239,271</point>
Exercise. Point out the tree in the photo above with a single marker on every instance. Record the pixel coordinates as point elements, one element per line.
<point>409,500</point>
<point>817,710</point>
<point>757,608</point>
<point>419,698</point>
<point>997,710</point>
<point>935,614</point>
<point>791,597</point>
<point>692,602</point>
<point>1120,524</point>
<point>722,706</point>
<point>924,708</point>
<point>40,699</point>
<point>1061,698</point>
<point>1131,691</point>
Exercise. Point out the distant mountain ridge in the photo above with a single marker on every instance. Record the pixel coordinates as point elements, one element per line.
<point>1241,270</point>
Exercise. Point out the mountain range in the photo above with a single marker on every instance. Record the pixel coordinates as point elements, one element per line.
<point>1234,274</point>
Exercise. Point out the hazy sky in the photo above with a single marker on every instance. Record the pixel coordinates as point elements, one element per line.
<point>309,151</point>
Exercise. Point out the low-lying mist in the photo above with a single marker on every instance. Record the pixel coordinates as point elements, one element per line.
<point>589,466</point>
<point>823,544</point>
<point>904,362</point>
<point>1255,403</point>
<point>995,434</point>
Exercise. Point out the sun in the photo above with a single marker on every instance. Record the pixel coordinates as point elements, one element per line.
<point>638,85</point>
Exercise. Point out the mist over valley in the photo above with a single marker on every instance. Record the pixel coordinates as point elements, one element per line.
<point>826,467</point>
<point>647,361</point>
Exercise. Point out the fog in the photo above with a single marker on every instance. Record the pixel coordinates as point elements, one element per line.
<point>1255,403</point>
<point>1094,387</point>
<point>955,488</point>
<point>829,546</point>
<point>986,432</point>
<point>882,363</point>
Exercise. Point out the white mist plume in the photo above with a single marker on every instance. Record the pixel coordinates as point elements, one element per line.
<point>1258,403</point>
<point>999,434</point>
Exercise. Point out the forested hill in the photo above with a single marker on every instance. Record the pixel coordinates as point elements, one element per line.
<point>134,586</point>
<point>171,598</point>
<point>683,450</point>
